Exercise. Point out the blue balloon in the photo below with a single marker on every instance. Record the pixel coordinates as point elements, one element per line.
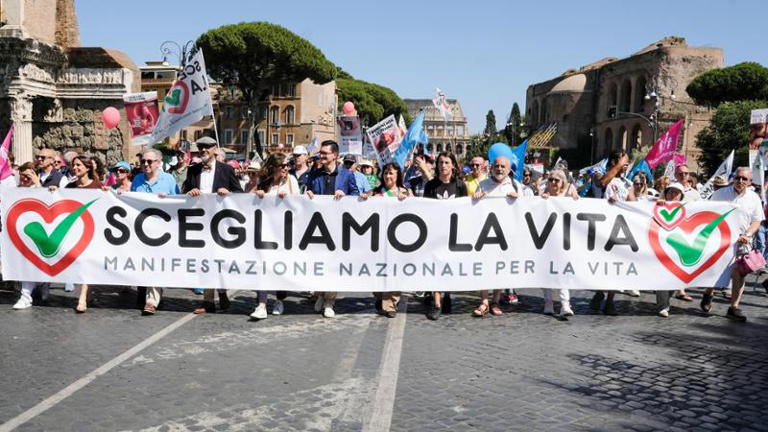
<point>500,149</point>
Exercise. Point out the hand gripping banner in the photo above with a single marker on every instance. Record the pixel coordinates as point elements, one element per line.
<point>382,244</point>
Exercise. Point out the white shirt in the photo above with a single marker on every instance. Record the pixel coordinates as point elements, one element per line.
<point>618,188</point>
<point>493,189</point>
<point>290,187</point>
<point>691,194</point>
<point>206,178</point>
<point>748,202</point>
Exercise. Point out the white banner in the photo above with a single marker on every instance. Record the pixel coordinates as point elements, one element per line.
<point>381,244</point>
<point>187,102</point>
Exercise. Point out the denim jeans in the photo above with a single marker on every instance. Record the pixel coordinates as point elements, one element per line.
<point>760,239</point>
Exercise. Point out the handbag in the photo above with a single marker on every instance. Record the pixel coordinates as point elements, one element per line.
<point>750,262</point>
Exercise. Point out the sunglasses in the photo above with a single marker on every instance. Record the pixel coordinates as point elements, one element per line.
<point>475,165</point>
<point>554,180</point>
<point>123,171</point>
<point>284,165</point>
<point>148,161</point>
<point>43,157</point>
<point>742,178</point>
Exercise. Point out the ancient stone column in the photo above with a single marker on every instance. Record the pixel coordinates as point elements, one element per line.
<point>21,115</point>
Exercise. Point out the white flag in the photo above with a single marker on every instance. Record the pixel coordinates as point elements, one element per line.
<point>669,172</point>
<point>440,103</point>
<point>724,170</point>
<point>187,101</point>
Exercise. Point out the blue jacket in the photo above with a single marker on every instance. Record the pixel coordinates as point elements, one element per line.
<point>345,182</point>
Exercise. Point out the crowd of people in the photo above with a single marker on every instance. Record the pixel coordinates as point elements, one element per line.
<point>205,169</point>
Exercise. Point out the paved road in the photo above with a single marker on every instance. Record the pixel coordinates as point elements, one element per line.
<point>521,371</point>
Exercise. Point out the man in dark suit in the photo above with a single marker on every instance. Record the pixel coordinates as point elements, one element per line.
<point>331,179</point>
<point>211,177</point>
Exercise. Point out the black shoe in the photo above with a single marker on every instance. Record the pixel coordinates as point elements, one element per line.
<point>765,285</point>
<point>706,302</point>
<point>433,313</point>
<point>735,314</point>
<point>390,314</point>
<point>445,304</point>
<point>377,303</point>
<point>610,308</point>
<point>597,300</point>
<point>427,301</point>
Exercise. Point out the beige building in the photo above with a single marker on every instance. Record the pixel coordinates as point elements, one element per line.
<point>622,103</point>
<point>452,135</point>
<point>294,114</point>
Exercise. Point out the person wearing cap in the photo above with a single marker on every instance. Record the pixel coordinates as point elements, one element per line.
<point>254,172</point>
<point>335,180</point>
<point>179,172</point>
<point>211,176</point>
<point>741,195</point>
<point>122,170</point>
<point>498,184</point>
<point>152,180</point>
<point>350,163</point>
<point>300,168</point>
<point>673,193</point>
<point>366,167</point>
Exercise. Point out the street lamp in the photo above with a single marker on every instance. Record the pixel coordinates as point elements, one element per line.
<point>170,47</point>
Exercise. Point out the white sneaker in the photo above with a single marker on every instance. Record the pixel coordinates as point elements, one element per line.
<point>664,313</point>
<point>279,308</point>
<point>260,312</point>
<point>549,308</point>
<point>328,312</point>
<point>633,293</point>
<point>566,310</point>
<point>23,303</point>
<point>319,304</point>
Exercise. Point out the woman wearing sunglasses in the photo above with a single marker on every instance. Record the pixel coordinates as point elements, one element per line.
<point>122,170</point>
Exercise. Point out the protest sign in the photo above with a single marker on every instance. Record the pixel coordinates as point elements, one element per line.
<point>141,113</point>
<point>385,138</point>
<point>350,136</point>
<point>187,102</point>
<point>301,244</point>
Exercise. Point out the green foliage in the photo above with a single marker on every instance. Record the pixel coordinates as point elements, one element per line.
<point>490,124</point>
<point>372,101</point>
<point>744,81</point>
<point>728,130</point>
<point>341,73</point>
<point>512,129</point>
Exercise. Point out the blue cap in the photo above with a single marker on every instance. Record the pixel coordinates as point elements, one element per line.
<point>121,164</point>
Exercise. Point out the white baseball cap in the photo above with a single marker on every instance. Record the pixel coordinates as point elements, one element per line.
<point>299,150</point>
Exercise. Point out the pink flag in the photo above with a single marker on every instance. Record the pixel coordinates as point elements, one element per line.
<point>664,148</point>
<point>679,159</point>
<point>5,164</point>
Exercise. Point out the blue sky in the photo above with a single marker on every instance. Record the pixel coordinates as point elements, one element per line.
<point>483,52</point>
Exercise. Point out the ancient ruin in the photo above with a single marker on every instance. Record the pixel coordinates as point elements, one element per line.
<point>52,90</point>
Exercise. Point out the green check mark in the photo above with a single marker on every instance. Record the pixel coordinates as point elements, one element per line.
<point>690,254</point>
<point>668,216</point>
<point>49,245</point>
<point>173,98</point>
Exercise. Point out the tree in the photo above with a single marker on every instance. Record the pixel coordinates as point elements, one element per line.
<point>744,81</point>
<point>256,56</point>
<point>372,101</point>
<point>490,125</point>
<point>728,130</point>
<point>512,129</point>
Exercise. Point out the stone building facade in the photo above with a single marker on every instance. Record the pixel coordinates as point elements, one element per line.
<point>54,91</point>
<point>645,90</point>
<point>452,136</point>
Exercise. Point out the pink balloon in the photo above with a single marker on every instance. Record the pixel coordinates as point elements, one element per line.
<point>348,107</point>
<point>111,117</point>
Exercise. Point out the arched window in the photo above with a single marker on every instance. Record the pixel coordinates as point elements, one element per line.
<point>639,105</point>
<point>608,141</point>
<point>535,113</point>
<point>290,115</point>
<point>439,148</point>
<point>448,147</point>
<point>274,115</point>
<point>621,139</point>
<point>459,149</point>
<point>544,112</point>
<point>625,98</point>
<point>613,98</point>
<point>636,139</point>
<point>430,148</point>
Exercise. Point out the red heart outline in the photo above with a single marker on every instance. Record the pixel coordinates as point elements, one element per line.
<point>183,107</point>
<point>688,225</point>
<point>669,206</point>
<point>49,213</point>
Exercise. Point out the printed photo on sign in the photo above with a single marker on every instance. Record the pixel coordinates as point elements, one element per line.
<point>141,112</point>
<point>350,135</point>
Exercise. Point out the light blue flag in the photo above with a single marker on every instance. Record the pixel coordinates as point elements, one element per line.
<point>414,136</point>
<point>641,166</point>
<point>518,156</point>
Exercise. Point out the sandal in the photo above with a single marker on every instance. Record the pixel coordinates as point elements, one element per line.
<point>481,310</point>
<point>495,309</point>
<point>684,297</point>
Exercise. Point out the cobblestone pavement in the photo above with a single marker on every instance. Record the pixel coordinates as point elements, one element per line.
<point>300,372</point>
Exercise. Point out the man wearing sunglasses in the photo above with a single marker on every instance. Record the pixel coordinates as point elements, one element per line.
<point>477,174</point>
<point>152,180</point>
<point>211,176</point>
<point>742,196</point>
<point>46,169</point>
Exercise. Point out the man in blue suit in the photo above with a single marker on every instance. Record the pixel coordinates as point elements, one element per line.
<point>331,179</point>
